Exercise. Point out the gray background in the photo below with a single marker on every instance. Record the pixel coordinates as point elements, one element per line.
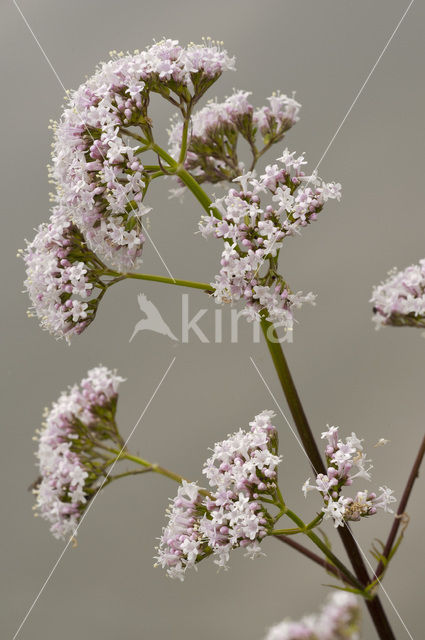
<point>348,374</point>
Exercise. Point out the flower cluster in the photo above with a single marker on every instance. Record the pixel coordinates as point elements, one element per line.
<point>212,146</point>
<point>64,278</point>
<point>96,166</point>
<point>400,300</point>
<point>241,471</point>
<point>338,620</point>
<point>254,234</point>
<point>346,461</point>
<point>71,458</point>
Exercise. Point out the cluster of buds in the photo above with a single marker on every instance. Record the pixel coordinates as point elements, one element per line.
<point>400,300</point>
<point>96,167</point>
<point>241,471</point>
<point>74,451</point>
<point>212,154</point>
<point>65,280</point>
<point>254,235</point>
<point>346,462</point>
<point>339,619</point>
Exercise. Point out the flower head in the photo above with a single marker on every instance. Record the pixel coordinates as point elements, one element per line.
<point>65,280</point>
<point>338,619</point>
<point>346,462</point>
<point>400,300</point>
<point>71,451</point>
<point>212,148</point>
<point>240,472</point>
<point>254,234</point>
<point>96,161</point>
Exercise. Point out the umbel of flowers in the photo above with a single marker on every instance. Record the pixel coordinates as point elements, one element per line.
<point>339,619</point>
<point>96,231</point>
<point>96,163</point>
<point>65,279</point>
<point>74,450</point>
<point>241,472</point>
<point>346,462</point>
<point>400,300</point>
<point>239,507</point>
<point>254,233</point>
<point>213,143</point>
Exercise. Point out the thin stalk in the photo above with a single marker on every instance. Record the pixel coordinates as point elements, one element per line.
<point>374,606</point>
<point>401,508</point>
<point>286,532</point>
<point>133,472</point>
<point>156,468</point>
<point>315,558</point>
<point>183,149</point>
<point>152,467</point>
<point>317,520</point>
<point>154,278</point>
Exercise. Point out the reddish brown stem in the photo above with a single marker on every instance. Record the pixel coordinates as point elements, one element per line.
<point>317,559</point>
<point>401,508</point>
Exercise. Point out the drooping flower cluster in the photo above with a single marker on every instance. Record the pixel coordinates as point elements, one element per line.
<point>64,278</point>
<point>346,461</point>
<point>400,300</point>
<point>71,460</point>
<point>241,471</point>
<point>254,235</point>
<point>339,619</point>
<point>212,148</point>
<point>100,179</point>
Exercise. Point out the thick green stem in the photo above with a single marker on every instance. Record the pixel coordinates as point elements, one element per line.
<point>322,546</point>
<point>190,182</point>
<point>197,191</point>
<point>292,397</point>
<point>185,132</point>
<point>374,606</point>
<point>172,164</point>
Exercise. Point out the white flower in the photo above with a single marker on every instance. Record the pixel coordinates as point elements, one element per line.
<point>69,479</point>
<point>240,470</point>
<point>400,300</point>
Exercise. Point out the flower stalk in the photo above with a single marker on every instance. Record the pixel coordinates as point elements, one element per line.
<point>374,606</point>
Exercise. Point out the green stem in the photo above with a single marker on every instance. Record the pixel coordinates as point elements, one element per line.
<point>374,606</point>
<point>185,132</point>
<point>311,525</point>
<point>152,467</point>
<point>182,283</point>
<point>197,191</point>
<point>292,397</point>
<point>322,546</point>
<point>164,155</point>
<point>133,472</point>
<point>188,180</point>
<point>286,532</point>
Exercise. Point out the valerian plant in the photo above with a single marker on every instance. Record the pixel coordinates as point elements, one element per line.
<point>105,157</point>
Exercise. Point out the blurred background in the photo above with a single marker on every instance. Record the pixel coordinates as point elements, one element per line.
<point>349,375</point>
